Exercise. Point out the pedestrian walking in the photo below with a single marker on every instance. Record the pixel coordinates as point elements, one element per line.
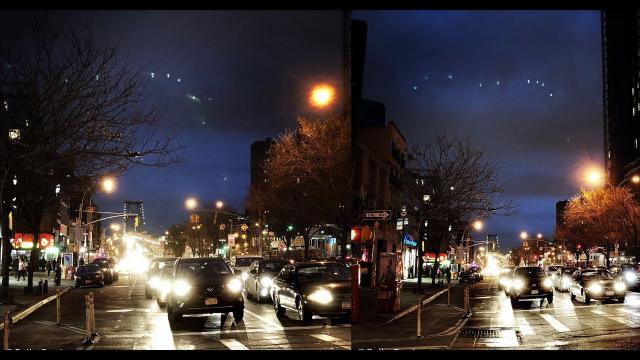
<point>49,268</point>
<point>21,269</point>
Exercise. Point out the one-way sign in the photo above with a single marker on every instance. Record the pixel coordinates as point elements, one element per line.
<point>377,214</point>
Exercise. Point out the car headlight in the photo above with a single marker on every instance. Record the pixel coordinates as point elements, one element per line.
<point>547,283</point>
<point>619,286</point>
<point>595,288</point>
<point>553,276</point>
<point>244,275</point>
<point>321,296</point>
<point>235,285</point>
<point>630,277</point>
<point>181,287</point>
<point>266,281</point>
<point>518,284</point>
<point>154,282</point>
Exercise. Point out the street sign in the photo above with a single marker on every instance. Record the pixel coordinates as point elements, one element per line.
<point>222,226</point>
<point>231,240</point>
<point>377,214</point>
<point>244,227</point>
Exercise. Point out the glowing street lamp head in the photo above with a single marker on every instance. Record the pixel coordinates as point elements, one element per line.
<point>219,204</point>
<point>115,227</point>
<point>524,235</point>
<point>321,95</point>
<point>635,179</point>
<point>595,177</point>
<point>191,203</point>
<point>477,225</point>
<point>539,236</point>
<point>108,184</point>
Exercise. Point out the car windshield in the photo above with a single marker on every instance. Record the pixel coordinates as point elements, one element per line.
<point>102,263</point>
<point>553,268</point>
<point>324,272</point>
<point>272,267</point>
<point>88,269</point>
<point>242,262</point>
<point>203,268</point>
<point>568,271</point>
<point>602,274</point>
<point>530,271</point>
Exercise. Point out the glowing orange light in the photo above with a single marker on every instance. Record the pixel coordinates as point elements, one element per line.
<point>321,96</point>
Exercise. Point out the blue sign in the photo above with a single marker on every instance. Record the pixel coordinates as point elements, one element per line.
<point>408,240</point>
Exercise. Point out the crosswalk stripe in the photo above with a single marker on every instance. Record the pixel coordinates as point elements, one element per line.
<point>233,344</point>
<point>635,313</point>
<point>525,328</point>
<point>335,340</point>
<point>555,323</point>
<point>618,319</point>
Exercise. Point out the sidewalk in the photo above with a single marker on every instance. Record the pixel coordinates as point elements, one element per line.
<point>20,301</point>
<point>439,321</point>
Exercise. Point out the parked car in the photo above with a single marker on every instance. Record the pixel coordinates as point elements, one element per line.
<point>594,283</point>
<point>89,275</point>
<point>562,280</point>
<point>108,271</point>
<point>261,274</point>
<point>530,282</point>
<point>204,286</point>
<point>469,275</point>
<point>153,273</point>
<point>240,264</point>
<point>165,284</point>
<point>313,288</point>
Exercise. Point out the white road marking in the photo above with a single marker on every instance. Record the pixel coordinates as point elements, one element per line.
<point>119,311</point>
<point>634,313</point>
<point>555,323</point>
<point>525,328</point>
<point>618,319</point>
<point>274,325</point>
<point>132,287</point>
<point>334,340</point>
<point>233,344</point>
<point>230,331</point>
<point>66,327</point>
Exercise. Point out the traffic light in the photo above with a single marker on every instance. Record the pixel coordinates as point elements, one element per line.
<point>136,222</point>
<point>356,234</point>
<point>290,227</point>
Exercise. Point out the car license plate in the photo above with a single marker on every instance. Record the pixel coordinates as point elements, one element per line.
<point>609,293</point>
<point>88,281</point>
<point>211,301</point>
<point>346,304</point>
<point>534,292</point>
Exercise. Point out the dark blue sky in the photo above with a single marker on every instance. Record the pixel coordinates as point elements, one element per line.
<point>524,86</point>
<point>249,71</point>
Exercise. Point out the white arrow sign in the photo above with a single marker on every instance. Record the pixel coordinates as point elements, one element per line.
<point>377,214</point>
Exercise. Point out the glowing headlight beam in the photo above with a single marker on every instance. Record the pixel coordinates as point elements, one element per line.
<point>235,285</point>
<point>321,296</point>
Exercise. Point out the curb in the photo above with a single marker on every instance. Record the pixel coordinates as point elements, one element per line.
<point>408,311</point>
<point>23,314</point>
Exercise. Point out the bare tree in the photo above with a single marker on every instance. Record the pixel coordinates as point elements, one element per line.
<point>80,105</point>
<point>308,177</point>
<point>602,217</point>
<point>449,183</point>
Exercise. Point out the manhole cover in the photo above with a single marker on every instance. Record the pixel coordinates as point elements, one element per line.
<point>480,333</point>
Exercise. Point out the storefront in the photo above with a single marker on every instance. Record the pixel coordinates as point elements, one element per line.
<point>409,253</point>
<point>23,243</point>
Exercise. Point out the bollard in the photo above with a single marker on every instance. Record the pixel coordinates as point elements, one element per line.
<point>448,294</point>
<point>419,320</point>
<point>466,298</point>
<point>93,316</point>
<point>88,340</point>
<point>5,342</point>
<point>58,307</point>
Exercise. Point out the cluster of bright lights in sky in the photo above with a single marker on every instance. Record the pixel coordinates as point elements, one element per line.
<point>193,98</point>
<point>482,84</point>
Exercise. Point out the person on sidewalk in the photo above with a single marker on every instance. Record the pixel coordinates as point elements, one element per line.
<point>21,269</point>
<point>58,276</point>
<point>49,267</point>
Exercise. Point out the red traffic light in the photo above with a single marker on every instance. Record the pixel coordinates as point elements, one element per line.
<point>356,234</point>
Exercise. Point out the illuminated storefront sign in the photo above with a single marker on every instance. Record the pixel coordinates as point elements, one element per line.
<point>408,240</point>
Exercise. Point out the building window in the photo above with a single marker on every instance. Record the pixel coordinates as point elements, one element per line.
<point>636,142</point>
<point>6,105</point>
<point>14,134</point>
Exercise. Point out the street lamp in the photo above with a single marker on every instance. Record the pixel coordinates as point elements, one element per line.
<point>115,227</point>
<point>191,203</point>
<point>477,225</point>
<point>539,236</point>
<point>524,235</point>
<point>219,204</point>
<point>322,95</point>
<point>594,177</point>
<point>108,184</point>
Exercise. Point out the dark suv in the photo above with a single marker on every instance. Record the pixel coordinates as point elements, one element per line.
<point>204,286</point>
<point>530,282</point>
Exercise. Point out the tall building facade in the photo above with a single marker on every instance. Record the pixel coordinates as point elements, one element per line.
<point>621,93</point>
<point>133,223</point>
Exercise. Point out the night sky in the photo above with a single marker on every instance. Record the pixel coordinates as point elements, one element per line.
<point>524,86</point>
<point>222,80</point>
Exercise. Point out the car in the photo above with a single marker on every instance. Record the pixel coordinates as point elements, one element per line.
<point>89,275</point>
<point>629,272</point>
<point>107,270</point>
<point>153,273</point>
<point>504,277</point>
<point>240,264</point>
<point>594,283</point>
<point>562,278</point>
<point>164,286</point>
<point>204,285</point>
<point>530,282</point>
<point>552,270</point>
<point>261,274</point>
<point>112,264</point>
<point>469,275</point>
<point>313,288</point>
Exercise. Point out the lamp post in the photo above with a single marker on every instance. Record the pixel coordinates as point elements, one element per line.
<point>108,185</point>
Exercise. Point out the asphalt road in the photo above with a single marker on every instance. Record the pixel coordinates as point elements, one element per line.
<point>126,320</point>
<point>565,324</point>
